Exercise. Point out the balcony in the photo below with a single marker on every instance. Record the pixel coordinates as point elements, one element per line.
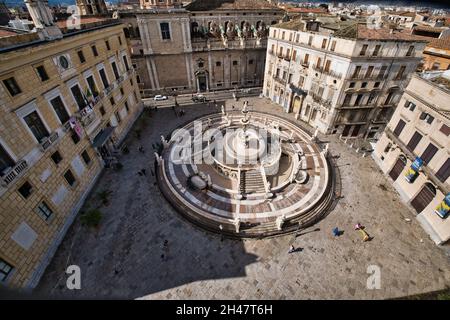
<point>430,174</point>
<point>47,142</point>
<point>317,68</point>
<point>280,80</point>
<point>318,99</point>
<point>14,173</point>
<point>304,63</point>
<point>332,73</point>
<point>366,76</point>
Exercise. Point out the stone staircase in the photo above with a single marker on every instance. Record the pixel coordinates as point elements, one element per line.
<point>253,182</point>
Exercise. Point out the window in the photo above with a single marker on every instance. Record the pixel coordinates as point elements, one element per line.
<point>358,100</point>
<point>429,153</point>
<point>444,172</point>
<point>111,100</point>
<point>118,117</point>
<point>376,84</point>
<point>25,189</point>
<point>371,98</point>
<point>121,91</point>
<point>250,61</point>
<point>5,160</point>
<point>310,39</point>
<point>356,72</point>
<point>218,64</point>
<point>165,30</point>
<point>324,43</point>
<point>411,106</point>
<point>60,110</point>
<point>294,55</point>
<point>235,63</point>
<point>92,87</point>
<point>363,50</point>
<point>125,62</point>
<point>327,65</point>
<point>81,56</point>
<point>102,111</point>
<point>347,99</point>
<point>12,86</point>
<point>410,51</point>
<point>352,84</point>
<point>36,126</point>
<point>94,51</point>
<point>412,144</point>
<point>301,81</point>
<point>5,270</point>
<point>364,85</point>
<point>115,71</point>
<point>120,40</point>
<point>42,73</point>
<point>44,211</point>
<point>69,178</point>
<point>306,59</point>
<point>376,50</point>
<point>382,72</point>
<point>369,71</point>
<point>445,129</point>
<point>75,137</point>
<point>107,45</point>
<point>104,78</point>
<point>333,45</point>
<point>201,64</point>
<point>86,157</point>
<point>399,128</point>
<point>78,96</point>
<point>56,157</point>
<point>400,72</point>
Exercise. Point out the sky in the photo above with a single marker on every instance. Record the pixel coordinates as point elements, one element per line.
<point>431,3</point>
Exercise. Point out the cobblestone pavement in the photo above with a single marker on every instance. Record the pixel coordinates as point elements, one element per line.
<point>126,257</point>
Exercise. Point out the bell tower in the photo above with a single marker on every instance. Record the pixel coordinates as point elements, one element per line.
<point>43,19</point>
<point>160,4</point>
<point>91,7</point>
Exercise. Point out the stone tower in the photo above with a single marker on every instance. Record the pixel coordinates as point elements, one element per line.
<point>160,4</point>
<point>92,7</point>
<point>43,19</point>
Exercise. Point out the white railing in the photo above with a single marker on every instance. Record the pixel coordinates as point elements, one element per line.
<point>14,173</point>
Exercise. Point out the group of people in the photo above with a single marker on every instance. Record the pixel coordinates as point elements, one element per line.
<point>336,232</point>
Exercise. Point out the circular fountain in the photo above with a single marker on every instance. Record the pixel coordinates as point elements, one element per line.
<point>259,175</point>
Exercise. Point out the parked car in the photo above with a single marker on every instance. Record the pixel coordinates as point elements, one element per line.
<point>199,98</point>
<point>159,97</point>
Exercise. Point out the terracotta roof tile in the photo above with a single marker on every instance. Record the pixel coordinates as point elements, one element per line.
<point>440,43</point>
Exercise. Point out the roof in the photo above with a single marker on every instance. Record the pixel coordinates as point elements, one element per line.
<point>206,5</point>
<point>362,31</point>
<point>440,43</point>
<point>307,10</point>
<point>83,21</point>
<point>428,28</point>
<point>7,33</point>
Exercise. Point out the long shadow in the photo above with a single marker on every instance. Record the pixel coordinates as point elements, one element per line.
<point>143,245</point>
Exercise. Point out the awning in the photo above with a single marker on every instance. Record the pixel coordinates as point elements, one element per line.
<point>101,138</point>
<point>297,90</point>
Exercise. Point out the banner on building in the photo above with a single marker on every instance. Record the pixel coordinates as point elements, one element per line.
<point>76,126</point>
<point>443,208</point>
<point>413,172</point>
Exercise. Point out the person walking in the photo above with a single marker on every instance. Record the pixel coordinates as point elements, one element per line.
<point>291,249</point>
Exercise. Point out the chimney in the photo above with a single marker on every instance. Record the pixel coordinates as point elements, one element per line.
<point>43,19</point>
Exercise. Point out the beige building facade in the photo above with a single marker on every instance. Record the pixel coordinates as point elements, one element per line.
<point>420,128</point>
<point>204,46</point>
<point>343,78</point>
<point>66,106</point>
